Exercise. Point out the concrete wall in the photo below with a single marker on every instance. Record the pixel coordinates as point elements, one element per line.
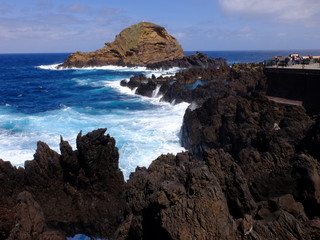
<point>295,84</point>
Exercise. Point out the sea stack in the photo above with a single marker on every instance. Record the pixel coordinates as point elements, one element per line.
<point>141,44</point>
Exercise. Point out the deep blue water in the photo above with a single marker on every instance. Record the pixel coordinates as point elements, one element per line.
<point>29,90</point>
<point>255,56</point>
<point>38,102</point>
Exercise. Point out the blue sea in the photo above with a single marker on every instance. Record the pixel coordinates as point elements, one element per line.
<point>40,103</point>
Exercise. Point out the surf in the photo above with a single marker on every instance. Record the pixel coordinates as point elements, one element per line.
<point>87,99</point>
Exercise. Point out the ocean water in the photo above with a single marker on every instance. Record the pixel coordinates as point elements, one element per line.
<point>40,103</point>
<point>255,56</point>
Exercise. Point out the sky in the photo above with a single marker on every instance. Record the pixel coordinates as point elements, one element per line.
<point>43,26</point>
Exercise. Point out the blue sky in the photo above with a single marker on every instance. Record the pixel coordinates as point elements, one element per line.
<point>68,26</point>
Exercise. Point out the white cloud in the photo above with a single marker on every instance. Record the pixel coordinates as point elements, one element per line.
<point>284,10</point>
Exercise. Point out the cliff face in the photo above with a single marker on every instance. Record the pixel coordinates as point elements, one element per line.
<point>138,45</point>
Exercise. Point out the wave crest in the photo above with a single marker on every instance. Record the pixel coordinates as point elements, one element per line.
<point>156,72</point>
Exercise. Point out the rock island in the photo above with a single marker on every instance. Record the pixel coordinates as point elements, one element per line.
<point>138,45</point>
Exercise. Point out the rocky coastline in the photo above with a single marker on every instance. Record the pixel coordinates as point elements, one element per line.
<point>196,84</point>
<point>257,156</point>
<point>251,170</point>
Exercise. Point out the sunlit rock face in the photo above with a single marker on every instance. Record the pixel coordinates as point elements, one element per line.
<point>141,44</point>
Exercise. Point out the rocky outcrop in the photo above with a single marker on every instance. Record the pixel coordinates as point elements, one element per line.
<point>176,198</point>
<point>311,141</point>
<point>259,152</point>
<point>235,123</point>
<point>253,177</point>
<point>138,45</point>
<point>197,60</point>
<point>199,84</point>
<point>30,221</point>
<point>78,191</point>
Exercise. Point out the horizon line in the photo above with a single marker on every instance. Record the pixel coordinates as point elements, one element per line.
<point>228,50</point>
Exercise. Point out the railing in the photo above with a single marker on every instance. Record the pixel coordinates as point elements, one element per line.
<point>290,63</point>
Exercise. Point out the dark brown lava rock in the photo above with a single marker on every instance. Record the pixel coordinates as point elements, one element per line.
<point>78,191</point>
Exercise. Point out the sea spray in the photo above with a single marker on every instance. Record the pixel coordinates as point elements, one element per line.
<point>72,100</point>
<point>155,93</point>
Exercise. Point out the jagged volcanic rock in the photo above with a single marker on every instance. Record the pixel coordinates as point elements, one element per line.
<point>197,60</point>
<point>78,191</point>
<point>138,45</point>
<point>263,189</point>
<point>30,221</point>
<point>176,198</point>
<point>199,84</point>
<point>259,153</point>
<point>311,141</point>
<point>252,180</point>
<point>236,123</point>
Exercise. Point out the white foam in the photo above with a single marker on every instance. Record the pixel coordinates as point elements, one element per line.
<point>141,135</point>
<point>164,73</point>
<point>155,93</point>
<point>116,85</point>
<point>193,106</point>
<point>50,67</point>
<point>149,72</point>
<point>114,68</point>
